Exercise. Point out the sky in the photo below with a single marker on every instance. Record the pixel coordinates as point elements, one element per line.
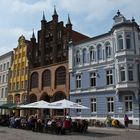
<point>90,17</point>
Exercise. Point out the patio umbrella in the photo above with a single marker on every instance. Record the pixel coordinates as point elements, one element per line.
<point>63,104</point>
<point>38,104</point>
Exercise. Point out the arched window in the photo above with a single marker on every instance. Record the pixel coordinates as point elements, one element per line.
<point>46,78</point>
<point>128,41</point>
<point>60,76</point>
<point>92,54</point>
<point>108,50</point>
<point>99,48</point>
<point>120,42</point>
<point>34,80</point>
<point>84,56</point>
<point>77,57</point>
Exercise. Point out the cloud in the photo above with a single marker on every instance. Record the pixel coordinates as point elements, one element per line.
<point>9,38</point>
<point>22,6</point>
<point>90,17</point>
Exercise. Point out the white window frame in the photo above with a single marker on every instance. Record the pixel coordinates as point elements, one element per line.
<point>78,59</point>
<point>122,70</point>
<point>92,54</point>
<point>130,68</point>
<point>128,37</point>
<point>79,102</point>
<point>120,38</point>
<point>108,49</point>
<point>78,81</point>
<point>110,102</point>
<point>93,77</point>
<point>129,102</point>
<point>93,102</point>
<point>110,75</point>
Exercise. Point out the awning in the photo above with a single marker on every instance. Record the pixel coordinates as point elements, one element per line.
<point>7,105</point>
<point>11,106</point>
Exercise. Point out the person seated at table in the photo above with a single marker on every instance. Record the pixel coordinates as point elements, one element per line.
<point>58,126</point>
<point>39,125</point>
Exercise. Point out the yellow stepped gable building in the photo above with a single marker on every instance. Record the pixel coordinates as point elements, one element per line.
<point>18,79</point>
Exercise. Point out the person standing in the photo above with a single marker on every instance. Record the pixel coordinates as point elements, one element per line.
<point>126,120</point>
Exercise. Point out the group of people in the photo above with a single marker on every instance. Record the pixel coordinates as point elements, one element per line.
<point>115,123</point>
<point>55,125</point>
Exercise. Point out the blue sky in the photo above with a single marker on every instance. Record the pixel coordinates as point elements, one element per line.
<point>90,17</point>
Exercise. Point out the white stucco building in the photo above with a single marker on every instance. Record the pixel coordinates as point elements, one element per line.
<point>5,63</point>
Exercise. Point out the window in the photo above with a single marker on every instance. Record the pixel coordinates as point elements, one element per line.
<point>2,92</point>
<point>110,104</point>
<point>3,78</point>
<point>122,73</point>
<point>78,81</point>
<point>7,65</point>
<point>22,85</point>
<point>109,77</point>
<point>79,102</point>
<point>77,57</point>
<point>6,77</point>
<point>1,67</point>
<point>17,86</point>
<point>120,42</point>
<point>93,79</point>
<point>6,92</point>
<point>108,50</point>
<point>13,87</point>
<point>26,84</point>
<point>18,72</point>
<point>130,72</point>
<point>92,54</point>
<point>46,78</point>
<point>99,48</point>
<point>60,76</point>
<point>128,41</point>
<point>84,56</point>
<point>93,105</point>
<point>4,67</point>
<point>34,80</point>
<point>128,103</point>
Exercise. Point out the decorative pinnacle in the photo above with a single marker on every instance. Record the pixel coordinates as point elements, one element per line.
<point>33,35</point>
<point>69,22</point>
<point>118,13</point>
<point>55,13</point>
<point>43,18</point>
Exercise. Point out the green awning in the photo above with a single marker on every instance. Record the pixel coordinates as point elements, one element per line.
<point>11,106</point>
<point>7,105</point>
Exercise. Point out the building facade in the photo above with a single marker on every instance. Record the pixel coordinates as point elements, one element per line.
<point>5,63</point>
<point>48,60</point>
<point>18,78</point>
<point>105,72</point>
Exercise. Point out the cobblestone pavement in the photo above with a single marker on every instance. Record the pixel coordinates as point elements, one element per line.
<point>93,133</point>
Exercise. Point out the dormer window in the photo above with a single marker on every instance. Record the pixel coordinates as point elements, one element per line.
<point>120,42</point>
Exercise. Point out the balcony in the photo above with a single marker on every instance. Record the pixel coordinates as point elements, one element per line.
<point>126,85</point>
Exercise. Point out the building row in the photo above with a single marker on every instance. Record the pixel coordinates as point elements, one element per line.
<point>102,72</point>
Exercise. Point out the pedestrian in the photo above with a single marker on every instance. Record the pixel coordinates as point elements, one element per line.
<point>108,121</point>
<point>126,120</point>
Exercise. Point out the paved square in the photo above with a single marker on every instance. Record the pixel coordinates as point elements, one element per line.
<point>92,134</point>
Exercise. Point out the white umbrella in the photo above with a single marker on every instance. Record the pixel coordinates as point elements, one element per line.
<point>66,104</point>
<point>38,104</point>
